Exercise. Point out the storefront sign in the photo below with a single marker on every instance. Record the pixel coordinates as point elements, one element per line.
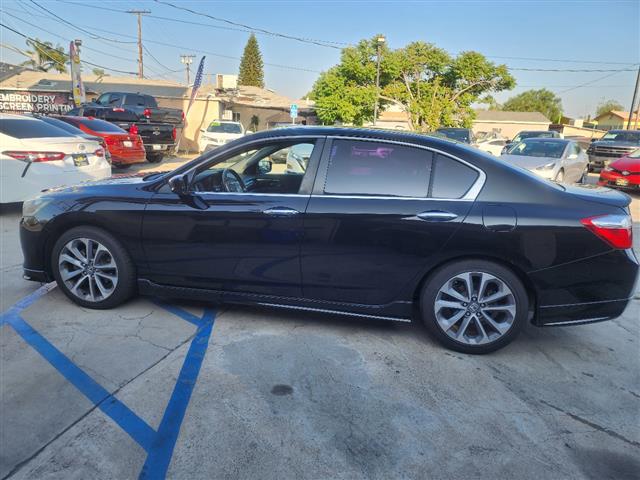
<point>17,101</point>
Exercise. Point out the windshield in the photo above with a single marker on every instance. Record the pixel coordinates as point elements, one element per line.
<point>631,137</point>
<point>538,148</point>
<point>219,127</point>
<point>459,134</point>
<point>523,135</point>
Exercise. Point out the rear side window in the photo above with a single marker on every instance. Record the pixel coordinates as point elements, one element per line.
<point>378,169</point>
<point>450,178</point>
<point>149,101</point>
<point>30,128</point>
<point>137,100</point>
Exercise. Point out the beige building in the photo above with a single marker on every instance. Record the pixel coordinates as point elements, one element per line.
<point>615,119</point>
<point>508,124</point>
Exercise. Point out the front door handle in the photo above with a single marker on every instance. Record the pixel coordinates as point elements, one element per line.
<point>437,216</point>
<point>281,212</point>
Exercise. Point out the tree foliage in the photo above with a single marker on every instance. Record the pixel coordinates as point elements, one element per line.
<point>45,57</point>
<point>608,105</point>
<point>432,87</point>
<point>543,101</point>
<point>251,66</point>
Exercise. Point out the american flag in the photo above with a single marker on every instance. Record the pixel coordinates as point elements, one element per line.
<point>196,83</point>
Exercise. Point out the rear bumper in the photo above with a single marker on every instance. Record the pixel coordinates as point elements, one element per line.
<point>159,147</point>
<point>600,162</point>
<point>580,313</point>
<point>128,158</point>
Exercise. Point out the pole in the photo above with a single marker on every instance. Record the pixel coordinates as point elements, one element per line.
<point>633,101</point>
<point>379,41</point>
<point>139,13</point>
<point>187,60</point>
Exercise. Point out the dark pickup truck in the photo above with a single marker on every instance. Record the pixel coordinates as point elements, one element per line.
<point>613,145</point>
<point>144,106</point>
<point>158,138</point>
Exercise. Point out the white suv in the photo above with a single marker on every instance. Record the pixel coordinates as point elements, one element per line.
<point>218,133</point>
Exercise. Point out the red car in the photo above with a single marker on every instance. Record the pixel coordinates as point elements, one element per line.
<point>125,148</point>
<point>622,173</point>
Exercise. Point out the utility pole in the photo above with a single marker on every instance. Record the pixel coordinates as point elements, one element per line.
<point>633,101</point>
<point>379,42</point>
<point>187,60</point>
<point>139,13</point>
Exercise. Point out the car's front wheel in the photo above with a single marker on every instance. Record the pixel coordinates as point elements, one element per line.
<point>474,306</point>
<point>92,268</point>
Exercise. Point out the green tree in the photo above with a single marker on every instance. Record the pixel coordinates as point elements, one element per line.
<point>99,73</point>
<point>251,66</point>
<point>543,101</point>
<point>608,105</point>
<point>434,88</point>
<point>44,56</point>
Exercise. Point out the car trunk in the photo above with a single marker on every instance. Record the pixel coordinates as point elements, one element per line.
<point>601,195</point>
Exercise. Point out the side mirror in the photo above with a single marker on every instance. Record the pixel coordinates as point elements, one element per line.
<point>179,185</point>
<point>264,166</point>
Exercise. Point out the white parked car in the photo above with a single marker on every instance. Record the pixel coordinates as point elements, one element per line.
<point>493,146</point>
<point>552,158</point>
<point>35,155</point>
<point>218,133</point>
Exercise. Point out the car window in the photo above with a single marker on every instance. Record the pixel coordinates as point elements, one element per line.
<point>380,169</point>
<point>631,137</point>
<point>149,101</point>
<point>30,128</point>
<point>459,134</point>
<point>103,99</point>
<point>137,100</point>
<point>63,125</point>
<point>224,127</point>
<point>450,178</point>
<point>100,126</point>
<point>538,148</point>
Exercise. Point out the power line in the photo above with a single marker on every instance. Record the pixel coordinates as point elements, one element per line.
<point>588,83</point>
<point>569,70</point>
<point>91,34</point>
<point>58,62</point>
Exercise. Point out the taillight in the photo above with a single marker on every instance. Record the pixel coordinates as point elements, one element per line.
<point>146,112</point>
<point>182,113</point>
<point>614,229</point>
<point>174,133</point>
<point>118,109</point>
<point>35,156</point>
<point>133,130</point>
<point>110,141</point>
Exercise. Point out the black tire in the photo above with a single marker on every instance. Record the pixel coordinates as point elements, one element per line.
<point>125,286</point>
<point>117,166</point>
<point>442,276</point>
<point>154,158</point>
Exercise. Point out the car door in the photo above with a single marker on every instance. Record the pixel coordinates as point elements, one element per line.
<point>573,163</point>
<point>245,242</point>
<point>379,214</point>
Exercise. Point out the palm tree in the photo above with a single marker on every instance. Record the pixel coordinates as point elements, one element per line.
<point>44,56</point>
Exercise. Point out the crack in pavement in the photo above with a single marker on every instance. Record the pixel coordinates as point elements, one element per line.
<point>577,418</point>
<point>33,456</point>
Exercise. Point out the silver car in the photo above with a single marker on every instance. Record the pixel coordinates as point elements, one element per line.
<point>552,158</point>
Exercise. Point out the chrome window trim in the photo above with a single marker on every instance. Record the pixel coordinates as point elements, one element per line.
<point>470,195</point>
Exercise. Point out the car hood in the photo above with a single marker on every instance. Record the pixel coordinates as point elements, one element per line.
<point>626,163</point>
<point>529,163</point>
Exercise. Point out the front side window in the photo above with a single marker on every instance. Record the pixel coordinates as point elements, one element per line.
<point>378,169</point>
<point>276,168</point>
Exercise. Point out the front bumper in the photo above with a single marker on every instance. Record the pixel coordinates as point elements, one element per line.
<point>617,180</point>
<point>596,161</point>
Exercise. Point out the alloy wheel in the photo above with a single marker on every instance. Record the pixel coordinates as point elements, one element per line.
<point>88,269</point>
<point>475,308</point>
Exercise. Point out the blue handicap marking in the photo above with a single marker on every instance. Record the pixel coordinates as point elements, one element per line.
<point>158,444</point>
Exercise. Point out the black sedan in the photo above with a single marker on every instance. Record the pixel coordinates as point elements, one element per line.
<point>375,224</point>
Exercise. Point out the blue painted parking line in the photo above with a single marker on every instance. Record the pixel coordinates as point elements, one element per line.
<point>159,444</point>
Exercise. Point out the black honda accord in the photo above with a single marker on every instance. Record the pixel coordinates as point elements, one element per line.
<point>375,224</point>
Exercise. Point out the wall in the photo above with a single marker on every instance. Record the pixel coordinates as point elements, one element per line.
<point>507,129</point>
<point>609,122</point>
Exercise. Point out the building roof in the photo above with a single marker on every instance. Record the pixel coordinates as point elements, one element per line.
<point>510,117</point>
<point>61,82</point>
<point>617,113</point>
<point>262,98</point>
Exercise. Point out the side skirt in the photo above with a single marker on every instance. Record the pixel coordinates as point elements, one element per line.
<point>396,311</point>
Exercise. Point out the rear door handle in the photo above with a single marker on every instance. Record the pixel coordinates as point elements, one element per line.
<point>281,212</point>
<point>437,216</point>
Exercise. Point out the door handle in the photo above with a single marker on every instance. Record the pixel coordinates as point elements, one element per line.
<point>437,216</point>
<point>281,212</point>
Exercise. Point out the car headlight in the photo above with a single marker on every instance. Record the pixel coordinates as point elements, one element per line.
<point>546,166</point>
<point>608,169</point>
<point>30,207</point>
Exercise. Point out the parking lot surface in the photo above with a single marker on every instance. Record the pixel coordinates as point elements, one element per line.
<point>188,390</point>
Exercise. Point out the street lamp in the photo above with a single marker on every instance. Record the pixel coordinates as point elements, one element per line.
<point>379,42</point>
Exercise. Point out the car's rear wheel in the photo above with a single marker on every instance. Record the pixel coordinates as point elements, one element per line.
<point>92,268</point>
<point>474,306</point>
<point>154,158</point>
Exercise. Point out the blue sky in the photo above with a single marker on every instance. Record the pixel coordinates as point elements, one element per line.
<point>576,32</point>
